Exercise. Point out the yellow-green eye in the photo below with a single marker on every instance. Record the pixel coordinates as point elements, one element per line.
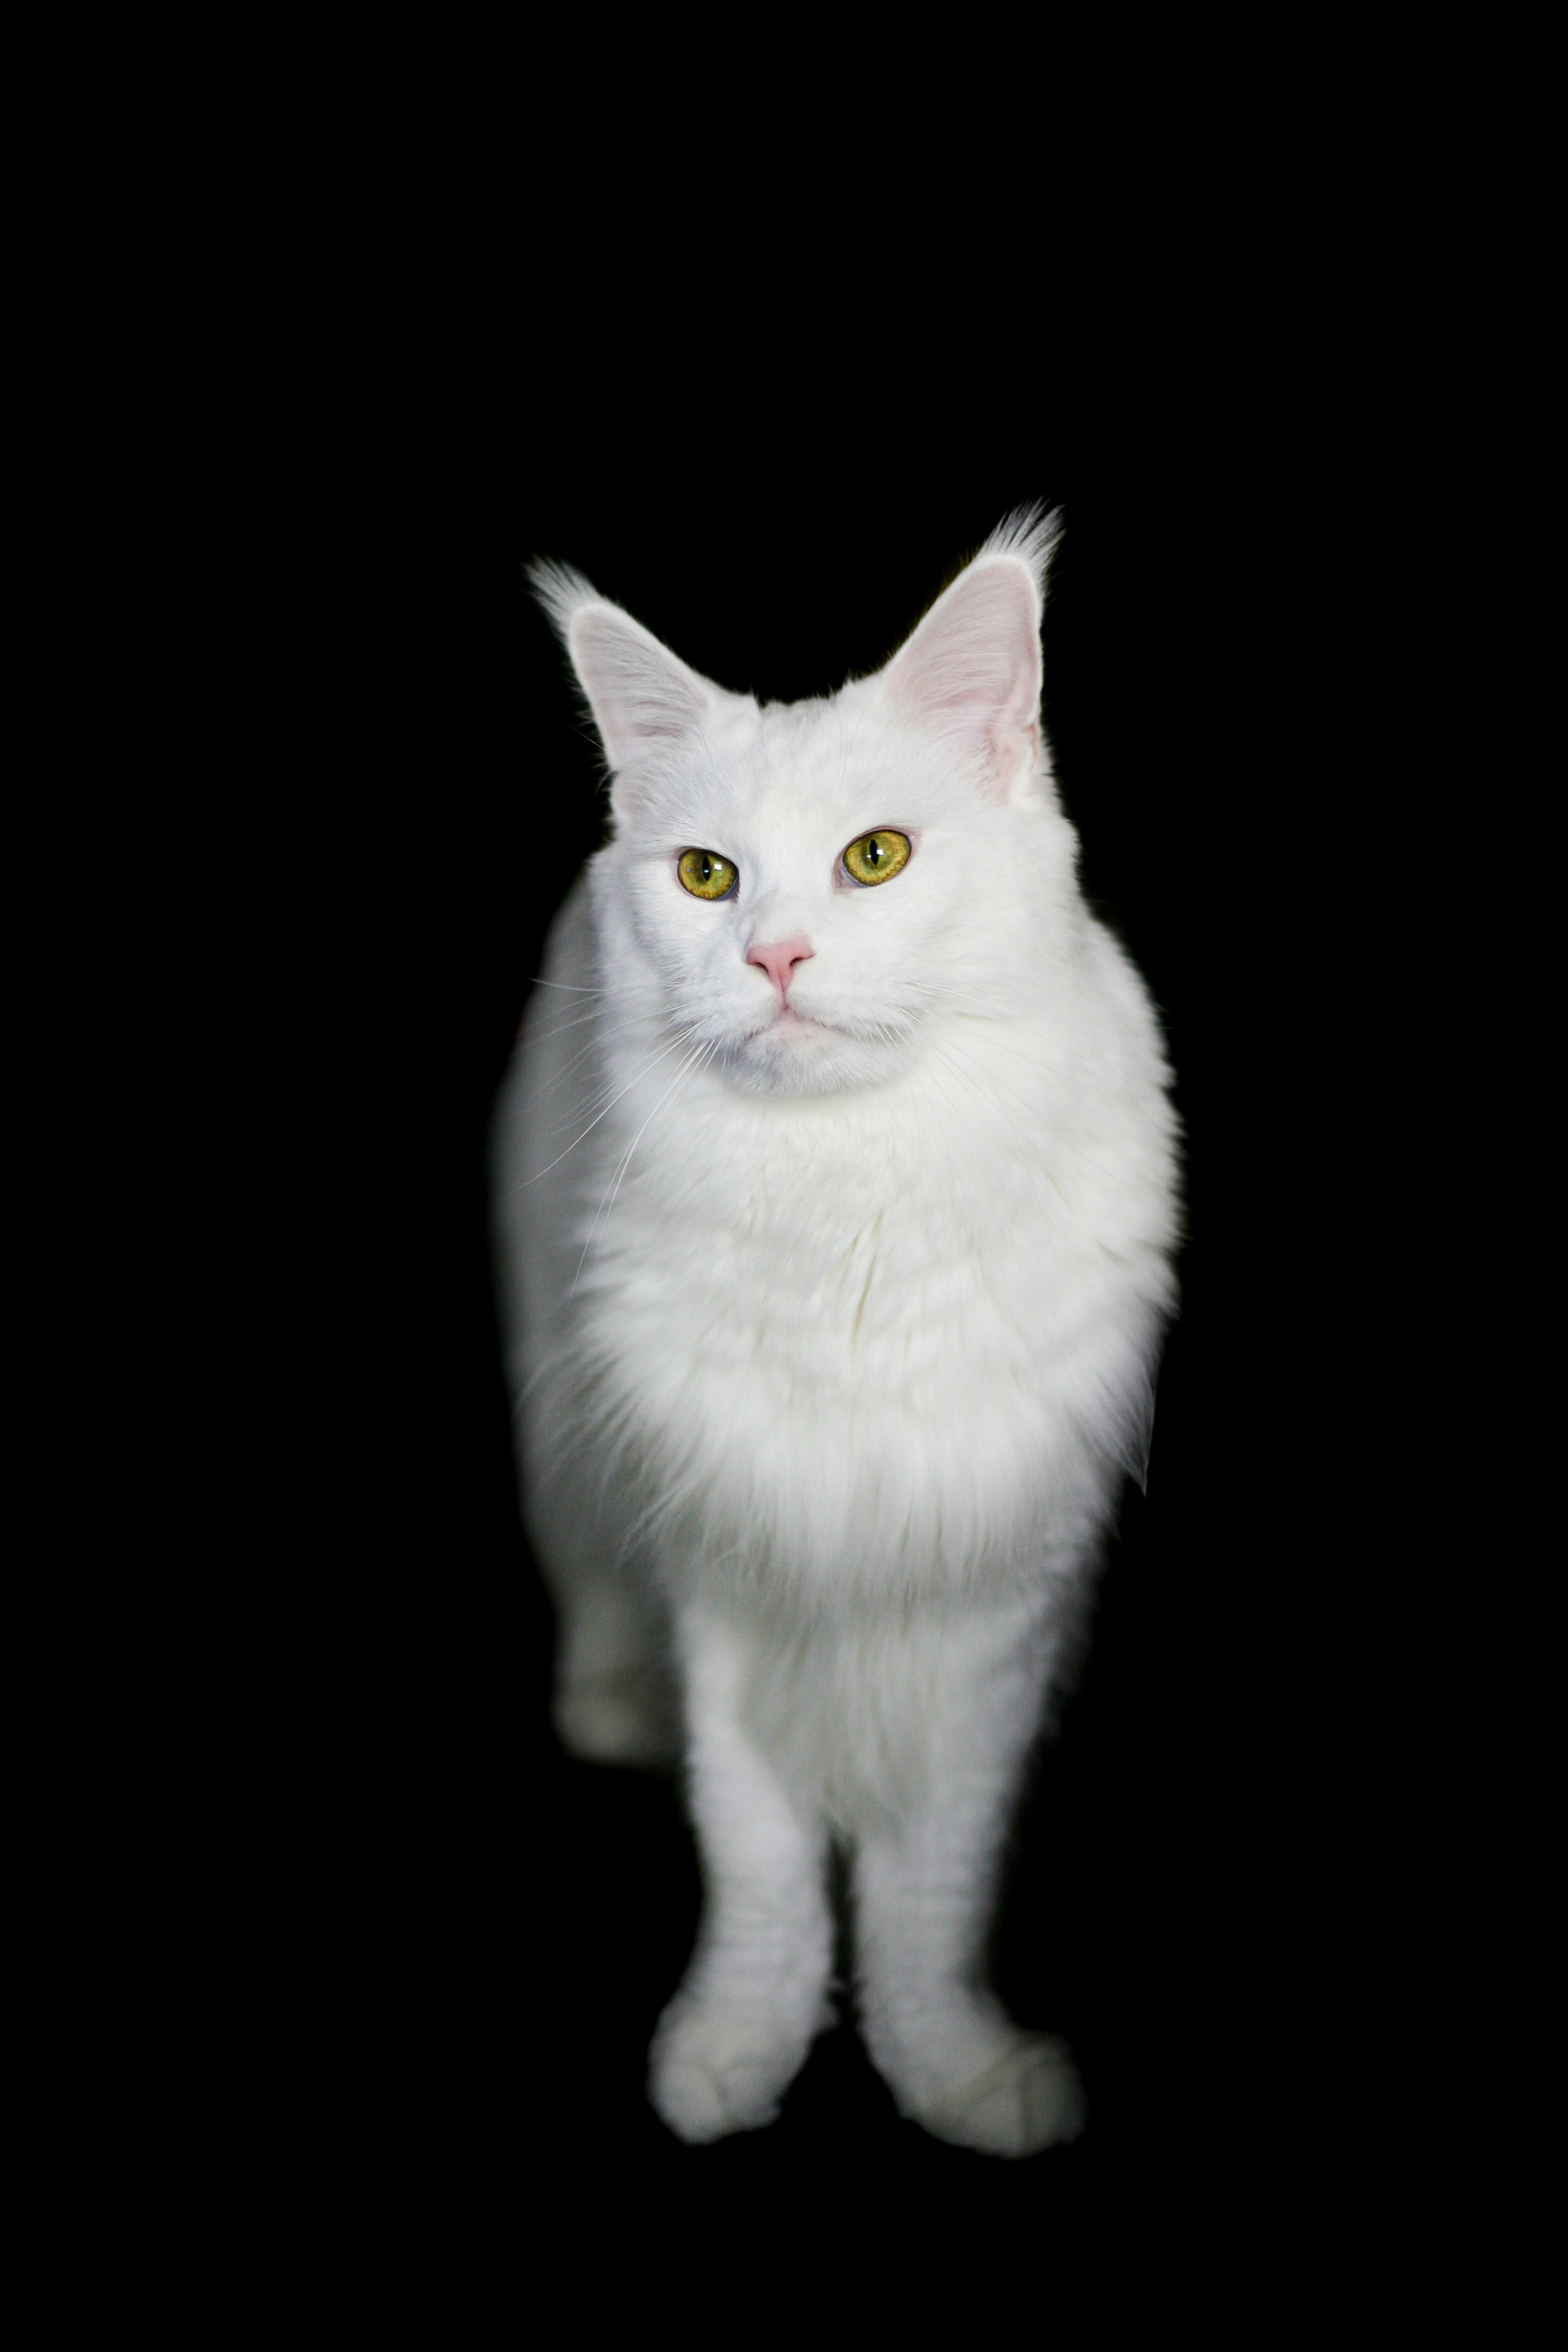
<point>878,856</point>
<point>705,874</point>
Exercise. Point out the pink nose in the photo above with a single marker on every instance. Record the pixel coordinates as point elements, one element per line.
<point>780,961</point>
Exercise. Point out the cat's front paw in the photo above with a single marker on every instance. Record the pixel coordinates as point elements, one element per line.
<point>1028,2098</point>
<point>713,2072</point>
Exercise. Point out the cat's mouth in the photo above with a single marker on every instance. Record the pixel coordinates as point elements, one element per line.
<point>788,1022</point>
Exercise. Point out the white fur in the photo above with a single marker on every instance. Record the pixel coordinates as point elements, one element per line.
<point>832,1341</point>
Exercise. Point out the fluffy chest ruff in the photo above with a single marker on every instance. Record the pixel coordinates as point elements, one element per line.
<point>897,1345</point>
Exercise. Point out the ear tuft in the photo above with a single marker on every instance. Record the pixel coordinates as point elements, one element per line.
<point>1031,536</point>
<point>561,592</point>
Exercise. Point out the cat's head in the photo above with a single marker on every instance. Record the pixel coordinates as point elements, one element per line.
<point>804,887</point>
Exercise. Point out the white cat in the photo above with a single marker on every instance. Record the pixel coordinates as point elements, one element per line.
<point>836,1201</point>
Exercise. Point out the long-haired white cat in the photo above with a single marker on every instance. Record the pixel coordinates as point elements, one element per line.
<point>836,1199</point>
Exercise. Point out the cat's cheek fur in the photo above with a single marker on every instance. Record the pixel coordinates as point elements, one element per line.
<point>832,1346</point>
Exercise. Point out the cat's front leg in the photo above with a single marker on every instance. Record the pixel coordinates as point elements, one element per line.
<point>756,1995</point>
<point>924,1888</point>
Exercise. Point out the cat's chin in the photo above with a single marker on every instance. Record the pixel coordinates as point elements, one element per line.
<point>796,1055</point>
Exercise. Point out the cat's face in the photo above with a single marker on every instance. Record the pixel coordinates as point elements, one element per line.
<point>804,977</point>
<point>803,889</point>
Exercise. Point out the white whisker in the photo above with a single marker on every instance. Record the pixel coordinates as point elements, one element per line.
<point>662,1055</point>
<point>702,1050</point>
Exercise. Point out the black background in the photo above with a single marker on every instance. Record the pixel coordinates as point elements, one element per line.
<point>478,1932</point>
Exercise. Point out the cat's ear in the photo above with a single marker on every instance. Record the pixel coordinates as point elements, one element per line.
<point>972,671</point>
<point>646,702</point>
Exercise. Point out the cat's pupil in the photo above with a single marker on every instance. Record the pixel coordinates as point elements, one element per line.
<point>707,867</point>
<point>873,851</point>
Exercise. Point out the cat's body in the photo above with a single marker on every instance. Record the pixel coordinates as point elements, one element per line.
<point>839,1221</point>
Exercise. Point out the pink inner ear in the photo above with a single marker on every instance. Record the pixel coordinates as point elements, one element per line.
<point>973,668</point>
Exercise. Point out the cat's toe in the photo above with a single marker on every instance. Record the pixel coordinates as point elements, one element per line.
<point>710,2074</point>
<point>1029,2099</point>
